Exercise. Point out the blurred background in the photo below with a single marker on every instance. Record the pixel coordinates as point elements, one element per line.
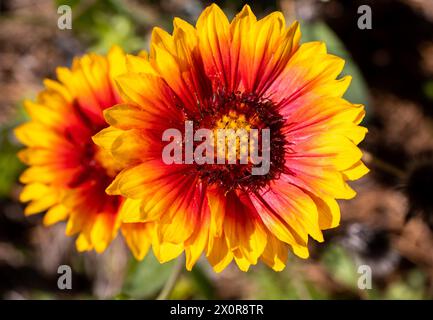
<point>388,226</point>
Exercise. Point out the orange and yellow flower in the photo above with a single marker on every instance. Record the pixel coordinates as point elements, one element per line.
<point>68,173</point>
<point>246,73</point>
<point>250,73</point>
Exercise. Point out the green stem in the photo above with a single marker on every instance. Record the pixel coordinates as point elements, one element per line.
<point>171,282</point>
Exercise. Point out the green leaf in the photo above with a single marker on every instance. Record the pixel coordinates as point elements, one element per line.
<point>428,89</point>
<point>272,285</point>
<point>146,278</point>
<point>341,266</point>
<point>103,23</point>
<point>202,282</point>
<point>410,288</point>
<point>10,166</point>
<point>287,284</point>
<point>116,29</point>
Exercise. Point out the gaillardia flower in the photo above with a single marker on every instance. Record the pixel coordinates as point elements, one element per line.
<point>241,75</point>
<point>68,173</point>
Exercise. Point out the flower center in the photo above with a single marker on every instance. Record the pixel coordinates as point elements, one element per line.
<point>248,142</point>
<point>233,128</point>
